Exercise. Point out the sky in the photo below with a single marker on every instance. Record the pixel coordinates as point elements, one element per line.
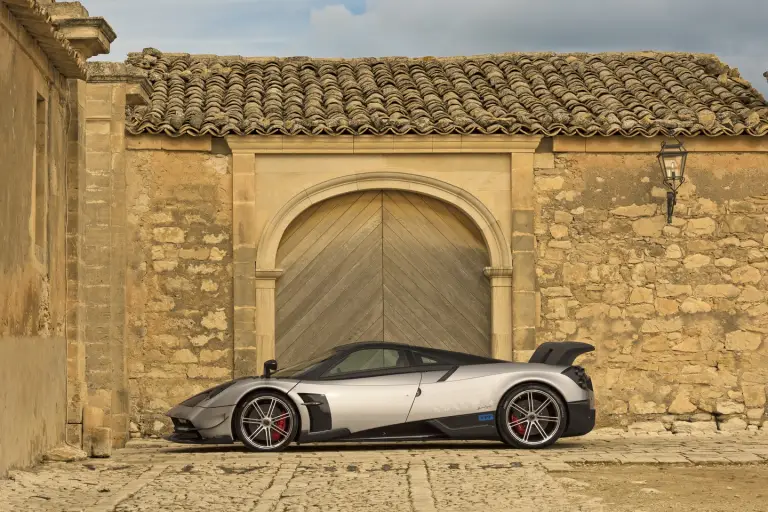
<point>735,30</point>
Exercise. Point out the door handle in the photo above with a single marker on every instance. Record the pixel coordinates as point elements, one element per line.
<point>418,392</point>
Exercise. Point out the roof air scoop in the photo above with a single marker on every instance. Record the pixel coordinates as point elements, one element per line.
<point>560,353</point>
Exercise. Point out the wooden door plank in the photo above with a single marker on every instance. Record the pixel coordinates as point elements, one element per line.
<point>465,237</point>
<point>313,280</point>
<point>397,328</point>
<point>328,239</point>
<point>433,249</point>
<point>359,266</point>
<point>439,325</point>
<point>389,266</point>
<point>303,233</point>
<point>329,330</point>
<point>374,332</point>
<point>361,299</point>
<point>405,250</point>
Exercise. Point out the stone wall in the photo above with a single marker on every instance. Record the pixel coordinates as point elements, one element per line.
<point>34,105</point>
<point>678,313</point>
<point>179,289</point>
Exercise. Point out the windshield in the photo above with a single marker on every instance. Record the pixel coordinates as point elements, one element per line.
<point>299,368</point>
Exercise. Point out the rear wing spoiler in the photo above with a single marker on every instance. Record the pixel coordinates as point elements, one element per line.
<point>560,353</point>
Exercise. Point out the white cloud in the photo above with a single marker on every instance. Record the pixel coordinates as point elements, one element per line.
<point>734,30</point>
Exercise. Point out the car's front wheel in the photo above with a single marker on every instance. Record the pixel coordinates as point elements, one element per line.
<point>266,421</point>
<point>531,416</point>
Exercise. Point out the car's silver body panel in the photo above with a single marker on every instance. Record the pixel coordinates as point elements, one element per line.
<point>372,402</point>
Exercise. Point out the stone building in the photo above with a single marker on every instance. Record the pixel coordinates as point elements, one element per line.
<point>234,210</point>
<point>277,207</point>
<point>42,107</point>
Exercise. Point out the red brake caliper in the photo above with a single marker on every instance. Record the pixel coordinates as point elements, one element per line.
<point>519,428</point>
<point>281,425</point>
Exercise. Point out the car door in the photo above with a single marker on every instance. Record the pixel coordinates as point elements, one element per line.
<point>369,388</point>
<point>448,390</point>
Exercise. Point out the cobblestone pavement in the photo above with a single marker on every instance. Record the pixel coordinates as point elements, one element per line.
<point>440,476</point>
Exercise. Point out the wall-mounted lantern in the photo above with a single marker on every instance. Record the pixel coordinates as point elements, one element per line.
<point>672,161</point>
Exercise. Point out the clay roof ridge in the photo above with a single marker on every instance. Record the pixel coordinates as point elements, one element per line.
<point>444,58</point>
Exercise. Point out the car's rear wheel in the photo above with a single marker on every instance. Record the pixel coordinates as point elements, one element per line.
<point>266,421</point>
<point>531,416</point>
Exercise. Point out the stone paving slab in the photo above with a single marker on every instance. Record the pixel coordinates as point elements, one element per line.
<point>427,477</point>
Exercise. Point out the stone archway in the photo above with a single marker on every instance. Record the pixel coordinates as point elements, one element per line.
<point>498,247</point>
<point>499,272</point>
<point>381,265</point>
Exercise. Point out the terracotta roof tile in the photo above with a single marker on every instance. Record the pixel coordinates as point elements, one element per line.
<point>629,94</point>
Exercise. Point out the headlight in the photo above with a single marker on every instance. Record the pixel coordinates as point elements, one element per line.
<point>206,395</point>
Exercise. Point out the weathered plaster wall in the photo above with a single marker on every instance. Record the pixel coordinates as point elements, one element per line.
<point>179,283</point>
<point>678,312</point>
<point>32,302</point>
<point>33,397</point>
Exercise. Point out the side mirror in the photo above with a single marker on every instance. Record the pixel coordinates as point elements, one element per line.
<point>270,367</point>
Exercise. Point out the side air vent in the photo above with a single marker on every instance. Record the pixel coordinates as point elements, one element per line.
<point>319,412</point>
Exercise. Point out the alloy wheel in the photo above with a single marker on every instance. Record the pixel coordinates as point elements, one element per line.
<point>533,417</point>
<point>266,422</point>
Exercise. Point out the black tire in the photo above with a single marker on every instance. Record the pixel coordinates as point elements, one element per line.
<point>513,429</point>
<point>251,431</point>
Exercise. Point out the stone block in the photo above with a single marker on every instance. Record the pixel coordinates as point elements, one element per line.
<point>523,243</point>
<point>65,453</point>
<point>635,211</point>
<point>522,221</point>
<point>646,426</point>
<point>524,275</point>
<point>681,405</point>
<point>74,435</point>
<point>746,274</point>
<point>742,340</point>
<point>523,309</point>
<point>544,161</point>
<point>686,427</point>
<point>101,442</point>
<point>93,417</point>
<point>753,394</point>
<point>549,183</point>
<point>139,142</point>
<point>524,338</point>
<point>700,226</point>
<point>733,425</point>
<point>649,227</point>
<point>172,235</point>
<point>729,407</point>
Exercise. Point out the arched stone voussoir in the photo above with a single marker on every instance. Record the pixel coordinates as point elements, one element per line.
<point>498,247</point>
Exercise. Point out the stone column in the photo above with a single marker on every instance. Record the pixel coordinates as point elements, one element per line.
<point>77,390</point>
<point>523,255</point>
<point>103,258</point>
<point>501,312</point>
<point>87,215</point>
<point>265,314</point>
<point>246,353</point>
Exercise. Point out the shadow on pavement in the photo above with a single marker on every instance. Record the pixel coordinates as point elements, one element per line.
<point>349,447</point>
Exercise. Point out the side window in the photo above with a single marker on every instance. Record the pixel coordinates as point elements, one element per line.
<point>429,360</point>
<point>422,359</point>
<point>369,359</point>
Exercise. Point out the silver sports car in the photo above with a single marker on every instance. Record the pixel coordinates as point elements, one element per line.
<point>376,391</point>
